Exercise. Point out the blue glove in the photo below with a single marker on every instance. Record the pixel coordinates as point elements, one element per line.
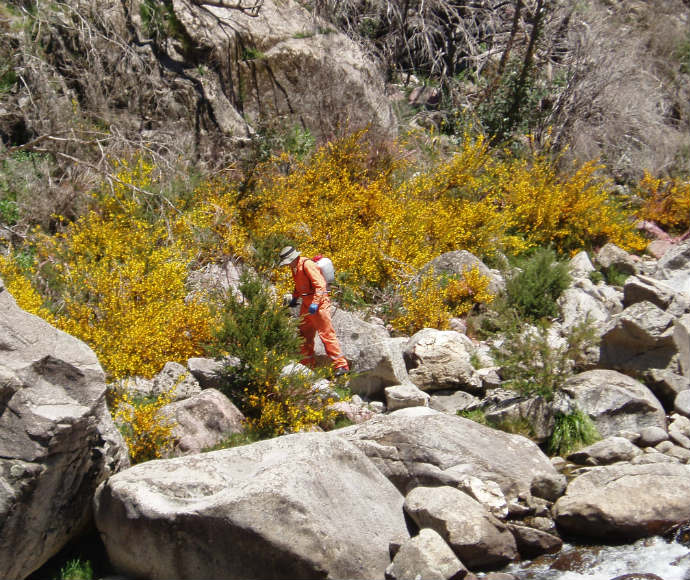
<point>313,308</point>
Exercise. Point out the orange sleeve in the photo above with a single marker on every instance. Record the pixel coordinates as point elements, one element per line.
<point>317,280</point>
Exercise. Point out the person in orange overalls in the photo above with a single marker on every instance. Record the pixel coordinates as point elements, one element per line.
<point>315,314</point>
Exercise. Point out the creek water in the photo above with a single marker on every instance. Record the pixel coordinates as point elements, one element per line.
<point>668,560</point>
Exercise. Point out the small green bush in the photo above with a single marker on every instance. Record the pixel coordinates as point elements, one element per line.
<point>261,333</point>
<point>76,570</point>
<point>571,432</point>
<point>614,277</point>
<point>534,290</point>
<point>532,366</point>
<point>264,336</point>
<point>476,415</point>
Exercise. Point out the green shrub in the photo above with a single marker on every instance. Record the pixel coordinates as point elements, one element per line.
<point>476,415</point>
<point>515,425</point>
<point>264,336</point>
<point>258,331</point>
<point>534,290</point>
<point>531,365</point>
<point>9,211</point>
<point>614,277</point>
<point>76,570</point>
<point>572,432</point>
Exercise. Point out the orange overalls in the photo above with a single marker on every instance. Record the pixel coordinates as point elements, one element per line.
<point>310,285</point>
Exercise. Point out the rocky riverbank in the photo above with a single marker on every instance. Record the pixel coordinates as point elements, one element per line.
<point>410,488</point>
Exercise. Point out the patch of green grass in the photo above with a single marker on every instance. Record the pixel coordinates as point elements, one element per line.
<point>476,415</point>
<point>246,437</point>
<point>250,53</point>
<point>571,432</point>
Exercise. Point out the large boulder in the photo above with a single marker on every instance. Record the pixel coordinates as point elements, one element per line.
<point>615,402</point>
<point>375,358</point>
<point>674,267</point>
<point>611,256</point>
<point>202,421</point>
<point>57,440</point>
<point>285,64</point>
<point>308,505</point>
<point>646,289</point>
<point>421,446</point>
<point>643,337</point>
<point>441,360</point>
<point>623,501</point>
<point>176,381</point>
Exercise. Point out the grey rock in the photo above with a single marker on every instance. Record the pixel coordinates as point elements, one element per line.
<point>426,555</point>
<point>441,359</point>
<point>681,454</point>
<point>417,449</point>
<point>653,457</point>
<point>615,402</point>
<point>646,289</point>
<point>487,493</point>
<point>535,410</point>
<point>177,381</point>
<point>334,73</point>
<point>605,452</point>
<point>580,265</point>
<point>57,439</point>
<point>206,370</point>
<point>202,421</point>
<point>576,305</point>
<point>297,506</point>
<point>357,413</point>
<point>641,337</point>
<point>651,436</point>
<point>676,260</point>
<point>611,255</point>
<point>461,261</point>
<point>221,279</point>
<point>532,542</point>
<point>375,358</point>
<point>681,403</point>
<point>402,396</point>
<point>625,501</point>
<point>453,401</point>
<point>665,385</point>
<point>478,538</point>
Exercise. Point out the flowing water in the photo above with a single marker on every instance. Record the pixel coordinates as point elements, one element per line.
<point>666,559</point>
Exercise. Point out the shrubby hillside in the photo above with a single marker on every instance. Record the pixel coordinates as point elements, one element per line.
<point>145,142</point>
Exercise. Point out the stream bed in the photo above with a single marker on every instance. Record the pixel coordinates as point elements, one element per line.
<point>669,560</point>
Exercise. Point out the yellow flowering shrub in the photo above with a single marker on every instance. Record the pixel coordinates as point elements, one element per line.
<point>19,285</point>
<point>381,227</point>
<point>431,303</point>
<point>146,430</point>
<point>286,406</point>
<point>567,211</point>
<point>120,280</point>
<point>666,202</point>
<point>213,226</point>
<point>331,205</point>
